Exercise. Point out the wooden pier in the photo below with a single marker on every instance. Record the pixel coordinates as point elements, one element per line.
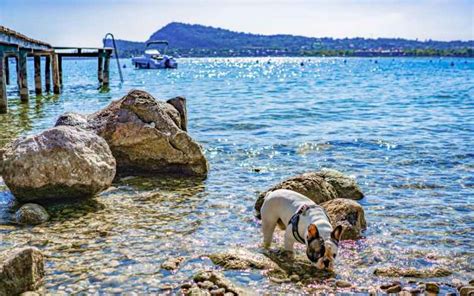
<point>19,47</point>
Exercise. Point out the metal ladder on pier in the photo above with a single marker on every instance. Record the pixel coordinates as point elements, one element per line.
<point>116,53</point>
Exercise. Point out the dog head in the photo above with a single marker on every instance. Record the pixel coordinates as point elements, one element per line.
<point>322,252</point>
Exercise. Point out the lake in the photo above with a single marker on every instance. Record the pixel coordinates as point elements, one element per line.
<point>403,127</point>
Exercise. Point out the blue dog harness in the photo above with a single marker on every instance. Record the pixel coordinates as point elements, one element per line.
<point>295,219</point>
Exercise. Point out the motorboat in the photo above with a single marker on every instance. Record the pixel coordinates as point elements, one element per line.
<point>154,59</point>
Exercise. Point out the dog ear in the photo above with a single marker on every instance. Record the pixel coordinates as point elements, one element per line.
<point>337,233</point>
<point>313,232</point>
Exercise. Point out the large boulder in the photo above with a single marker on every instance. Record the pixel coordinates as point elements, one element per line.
<point>146,136</point>
<point>58,164</point>
<point>21,270</point>
<point>318,186</point>
<point>349,214</point>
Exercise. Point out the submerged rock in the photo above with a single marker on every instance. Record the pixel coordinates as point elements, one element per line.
<point>318,186</point>
<point>242,259</point>
<point>296,265</point>
<point>31,214</point>
<point>146,136</point>
<point>393,271</point>
<point>21,270</point>
<point>347,213</point>
<point>215,279</point>
<point>172,263</point>
<point>61,163</point>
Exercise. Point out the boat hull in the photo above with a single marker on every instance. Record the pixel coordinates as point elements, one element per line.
<point>148,63</point>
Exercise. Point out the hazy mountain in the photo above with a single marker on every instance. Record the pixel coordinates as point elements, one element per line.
<point>198,40</point>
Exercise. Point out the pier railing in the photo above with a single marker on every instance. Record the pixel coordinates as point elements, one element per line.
<point>14,45</point>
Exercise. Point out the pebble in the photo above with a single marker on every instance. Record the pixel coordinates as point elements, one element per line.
<point>471,282</point>
<point>414,291</point>
<point>343,284</point>
<point>467,291</point>
<point>295,278</point>
<point>186,285</point>
<point>29,293</point>
<point>206,285</point>
<point>218,292</point>
<point>394,289</point>
<point>388,285</point>
<point>432,287</point>
<point>172,263</point>
<point>31,214</point>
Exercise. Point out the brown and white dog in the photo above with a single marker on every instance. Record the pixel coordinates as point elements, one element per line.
<point>305,222</point>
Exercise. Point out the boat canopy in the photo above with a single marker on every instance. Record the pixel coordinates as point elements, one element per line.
<point>152,52</point>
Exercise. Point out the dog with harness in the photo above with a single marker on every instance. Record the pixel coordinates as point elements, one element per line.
<point>303,222</point>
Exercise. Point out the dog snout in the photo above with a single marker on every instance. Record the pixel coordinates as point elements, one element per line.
<point>326,262</point>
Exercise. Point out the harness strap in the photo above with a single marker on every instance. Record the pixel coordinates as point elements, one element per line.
<point>295,220</point>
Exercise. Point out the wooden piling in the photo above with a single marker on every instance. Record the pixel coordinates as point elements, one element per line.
<point>56,83</point>
<point>3,85</point>
<point>60,66</point>
<point>100,66</point>
<point>7,70</point>
<point>106,80</point>
<point>47,74</point>
<point>17,65</point>
<point>37,62</point>
<point>23,75</point>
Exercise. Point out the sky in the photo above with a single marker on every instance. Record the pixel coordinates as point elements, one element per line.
<point>85,22</point>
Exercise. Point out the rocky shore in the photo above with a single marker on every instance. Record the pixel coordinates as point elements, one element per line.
<point>83,156</point>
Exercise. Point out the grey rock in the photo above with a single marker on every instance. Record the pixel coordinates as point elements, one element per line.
<point>31,214</point>
<point>318,186</point>
<point>147,136</point>
<point>21,270</point>
<point>347,213</point>
<point>61,163</point>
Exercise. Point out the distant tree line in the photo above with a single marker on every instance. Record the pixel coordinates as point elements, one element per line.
<point>200,41</point>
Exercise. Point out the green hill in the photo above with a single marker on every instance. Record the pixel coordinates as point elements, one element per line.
<point>198,40</point>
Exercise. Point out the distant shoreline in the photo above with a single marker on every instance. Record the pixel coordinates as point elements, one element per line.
<point>290,56</point>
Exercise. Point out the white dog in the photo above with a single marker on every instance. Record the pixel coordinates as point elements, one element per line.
<point>305,222</point>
